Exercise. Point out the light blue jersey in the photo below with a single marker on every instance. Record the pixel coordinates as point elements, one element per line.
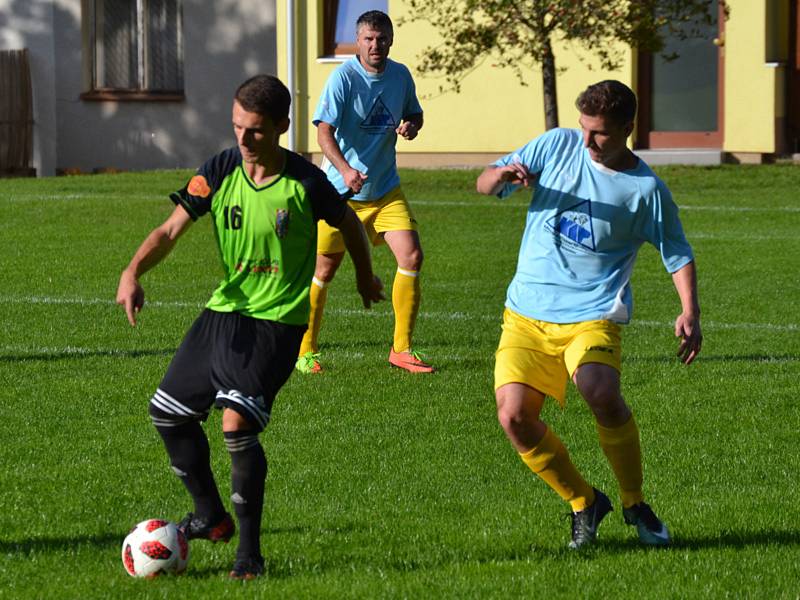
<point>584,227</point>
<point>366,108</point>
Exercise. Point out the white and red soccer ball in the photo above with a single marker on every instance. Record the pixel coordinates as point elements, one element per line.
<point>154,547</point>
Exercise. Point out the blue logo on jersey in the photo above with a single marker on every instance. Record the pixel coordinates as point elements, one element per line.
<point>575,224</point>
<point>281,222</point>
<point>379,119</point>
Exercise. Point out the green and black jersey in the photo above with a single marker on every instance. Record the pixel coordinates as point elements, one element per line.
<point>266,235</point>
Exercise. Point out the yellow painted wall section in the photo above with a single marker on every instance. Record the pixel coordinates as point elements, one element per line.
<point>492,113</point>
<point>750,84</point>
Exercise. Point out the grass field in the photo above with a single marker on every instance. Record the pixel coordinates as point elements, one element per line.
<point>383,484</point>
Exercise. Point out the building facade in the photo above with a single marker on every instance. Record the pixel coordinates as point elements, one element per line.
<point>135,84</point>
<point>733,93</point>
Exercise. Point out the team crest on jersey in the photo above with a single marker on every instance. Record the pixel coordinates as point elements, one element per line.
<point>379,119</point>
<point>575,224</point>
<point>198,186</point>
<point>281,222</point>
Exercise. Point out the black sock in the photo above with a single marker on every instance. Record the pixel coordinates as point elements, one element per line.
<point>189,454</point>
<point>248,475</point>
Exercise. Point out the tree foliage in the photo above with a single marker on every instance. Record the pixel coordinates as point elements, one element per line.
<point>519,34</point>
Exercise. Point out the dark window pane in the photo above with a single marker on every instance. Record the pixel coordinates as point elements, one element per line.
<point>117,53</point>
<point>347,13</point>
<point>164,68</point>
<point>685,89</point>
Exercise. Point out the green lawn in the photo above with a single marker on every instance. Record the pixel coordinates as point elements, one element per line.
<point>382,483</point>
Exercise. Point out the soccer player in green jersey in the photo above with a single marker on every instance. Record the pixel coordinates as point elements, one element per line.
<point>265,202</point>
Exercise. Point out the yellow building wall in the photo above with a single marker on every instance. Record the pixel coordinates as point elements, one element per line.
<point>495,114</point>
<point>751,84</point>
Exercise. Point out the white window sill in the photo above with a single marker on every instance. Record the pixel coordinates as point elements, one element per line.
<point>339,58</point>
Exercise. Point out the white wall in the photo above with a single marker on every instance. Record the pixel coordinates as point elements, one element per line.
<point>29,24</point>
<point>225,42</point>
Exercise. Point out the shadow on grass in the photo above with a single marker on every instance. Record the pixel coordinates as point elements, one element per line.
<point>743,358</point>
<point>80,354</point>
<point>45,545</point>
<point>779,538</point>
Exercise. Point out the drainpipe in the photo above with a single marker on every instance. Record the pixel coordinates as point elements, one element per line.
<point>290,69</point>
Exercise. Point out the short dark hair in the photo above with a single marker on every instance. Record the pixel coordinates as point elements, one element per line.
<point>265,95</point>
<point>608,98</point>
<point>376,20</point>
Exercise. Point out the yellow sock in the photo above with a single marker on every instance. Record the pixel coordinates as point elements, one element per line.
<point>405,301</point>
<point>621,447</point>
<point>550,461</point>
<point>319,295</point>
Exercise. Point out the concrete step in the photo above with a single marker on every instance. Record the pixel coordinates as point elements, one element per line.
<point>682,156</point>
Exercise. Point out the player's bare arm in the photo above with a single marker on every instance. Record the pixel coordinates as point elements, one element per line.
<point>355,238</point>
<point>687,325</point>
<point>410,126</point>
<point>353,178</point>
<point>494,178</point>
<point>156,246</point>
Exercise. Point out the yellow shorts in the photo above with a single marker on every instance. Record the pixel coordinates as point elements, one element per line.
<point>545,355</point>
<point>389,213</point>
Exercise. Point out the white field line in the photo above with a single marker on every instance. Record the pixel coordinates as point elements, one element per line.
<point>747,237</point>
<point>73,197</point>
<point>387,314</point>
<point>501,203</point>
<point>476,204</point>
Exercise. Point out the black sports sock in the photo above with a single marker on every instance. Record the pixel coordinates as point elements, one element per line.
<point>248,475</point>
<point>189,454</point>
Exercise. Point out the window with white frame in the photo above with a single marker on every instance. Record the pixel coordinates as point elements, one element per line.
<point>136,46</point>
<point>339,23</point>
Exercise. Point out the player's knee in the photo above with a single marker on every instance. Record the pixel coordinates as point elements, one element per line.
<point>327,265</point>
<point>234,422</point>
<point>242,412</point>
<point>417,257</point>
<point>606,402</point>
<point>412,260</point>
<point>509,413</point>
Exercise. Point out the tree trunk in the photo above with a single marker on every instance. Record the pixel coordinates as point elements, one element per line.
<point>549,87</point>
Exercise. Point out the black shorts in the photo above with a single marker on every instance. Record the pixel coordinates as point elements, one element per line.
<point>229,360</point>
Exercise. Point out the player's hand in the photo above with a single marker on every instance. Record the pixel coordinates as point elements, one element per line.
<point>687,327</point>
<point>354,179</point>
<point>371,291</point>
<point>130,295</point>
<point>407,130</point>
<point>516,173</point>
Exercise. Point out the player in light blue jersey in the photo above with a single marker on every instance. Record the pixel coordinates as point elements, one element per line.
<point>594,204</point>
<point>368,102</point>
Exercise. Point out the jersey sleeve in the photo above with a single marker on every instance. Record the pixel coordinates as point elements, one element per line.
<point>665,231</point>
<point>326,202</point>
<point>332,100</point>
<point>411,105</point>
<point>195,197</point>
<point>532,155</point>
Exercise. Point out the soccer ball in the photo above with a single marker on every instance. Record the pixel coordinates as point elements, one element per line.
<point>154,547</point>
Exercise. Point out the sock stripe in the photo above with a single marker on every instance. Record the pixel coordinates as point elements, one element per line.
<point>319,283</point>
<point>407,272</point>
<point>239,444</point>
<point>160,422</point>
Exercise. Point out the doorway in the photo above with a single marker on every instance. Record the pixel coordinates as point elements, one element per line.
<point>681,100</point>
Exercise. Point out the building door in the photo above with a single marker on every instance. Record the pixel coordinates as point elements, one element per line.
<point>681,100</point>
<point>793,80</point>
<point>16,114</point>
